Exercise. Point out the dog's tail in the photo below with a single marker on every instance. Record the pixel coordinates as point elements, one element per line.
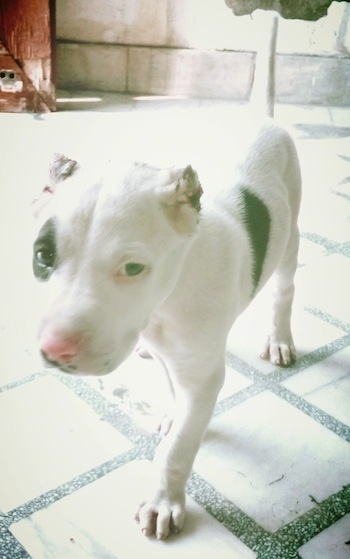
<point>262,96</point>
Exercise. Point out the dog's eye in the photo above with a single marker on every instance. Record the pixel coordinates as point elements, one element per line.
<point>44,258</point>
<point>43,263</point>
<point>132,269</point>
<point>44,251</point>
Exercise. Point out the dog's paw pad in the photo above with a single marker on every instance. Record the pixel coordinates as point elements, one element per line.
<point>279,353</point>
<point>265,355</point>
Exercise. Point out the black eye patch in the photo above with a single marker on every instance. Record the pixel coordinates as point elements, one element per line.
<point>44,251</point>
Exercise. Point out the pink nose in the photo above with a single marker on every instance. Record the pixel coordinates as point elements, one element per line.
<point>56,348</point>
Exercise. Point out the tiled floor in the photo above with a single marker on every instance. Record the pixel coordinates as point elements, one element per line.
<point>272,478</point>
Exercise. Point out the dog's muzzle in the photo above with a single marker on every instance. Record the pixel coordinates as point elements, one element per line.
<point>60,352</point>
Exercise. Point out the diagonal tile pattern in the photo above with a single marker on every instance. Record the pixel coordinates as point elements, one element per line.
<point>272,478</point>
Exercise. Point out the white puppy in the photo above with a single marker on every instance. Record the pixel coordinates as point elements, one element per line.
<point>135,256</point>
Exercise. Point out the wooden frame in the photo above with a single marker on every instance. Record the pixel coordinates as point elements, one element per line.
<point>27,56</point>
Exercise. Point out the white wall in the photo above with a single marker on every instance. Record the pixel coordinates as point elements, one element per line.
<point>201,24</point>
<point>123,45</point>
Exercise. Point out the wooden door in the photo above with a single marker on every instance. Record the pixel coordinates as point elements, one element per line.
<point>27,61</point>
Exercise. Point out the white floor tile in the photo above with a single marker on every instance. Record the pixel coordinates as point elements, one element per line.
<point>141,389</point>
<point>250,330</point>
<point>326,385</point>
<point>269,459</point>
<point>325,285</point>
<point>97,521</point>
<point>49,436</point>
<point>333,543</point>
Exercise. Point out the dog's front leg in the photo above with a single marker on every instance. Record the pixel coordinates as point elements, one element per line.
<point>195,395</point>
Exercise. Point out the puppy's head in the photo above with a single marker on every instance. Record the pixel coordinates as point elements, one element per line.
<point>107,253</point>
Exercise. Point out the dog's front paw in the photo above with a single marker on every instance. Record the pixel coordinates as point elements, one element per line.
<point>161,516</point>
<point>281,353</point>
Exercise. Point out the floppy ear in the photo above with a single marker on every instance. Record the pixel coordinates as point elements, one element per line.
<point>60,168</point>
<point>181,200</point>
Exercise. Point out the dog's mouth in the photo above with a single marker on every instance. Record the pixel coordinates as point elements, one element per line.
<point>74,369</point>
<point>64,367</point>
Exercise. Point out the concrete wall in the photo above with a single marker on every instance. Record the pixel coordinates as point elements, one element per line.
<point>197,48</point>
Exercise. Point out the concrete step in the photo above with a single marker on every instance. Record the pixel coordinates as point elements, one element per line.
<point>220,74</point>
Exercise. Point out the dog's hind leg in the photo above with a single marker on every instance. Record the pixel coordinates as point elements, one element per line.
<point>279,347</point>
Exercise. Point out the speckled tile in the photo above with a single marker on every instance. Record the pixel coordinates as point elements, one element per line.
<point>326,385</point>
<point>310,252</point>
<point>63,437</point>
<point>140,387</point>
<point>17,361</point>
<point>48,436</point>
<point>325,285</point>
<point>334,228</point>
<point>234,382</point>
<point>333,543</point>
<point>97,521</point>
<point>264,455</point>
<point>249,332</point>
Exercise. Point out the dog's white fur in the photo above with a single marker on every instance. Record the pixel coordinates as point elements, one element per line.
<point>197,278</point>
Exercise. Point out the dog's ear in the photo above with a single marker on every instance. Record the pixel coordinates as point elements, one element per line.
<point>61,167</point>
<point>181,200</point>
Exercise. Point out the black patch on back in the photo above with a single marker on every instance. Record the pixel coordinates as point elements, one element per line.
<point>257,220</point>
<point>45,251</point>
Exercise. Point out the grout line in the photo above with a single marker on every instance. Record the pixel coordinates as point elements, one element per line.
<point>332,247</point>
<point>11,548</point>
<point>310,359</point>
<point>243,367</point>
<point>334,321</point>
<point>228,403</point>
<point>254,536</point>
<point>51,496</point>
<point>288,539</point>
<point>108,411</point>
<point>22,381</point>
<point>320,517</point>
<point>317,414</point>
<point>272,382</point>
<point>281,374</point>
<point>225,511</point>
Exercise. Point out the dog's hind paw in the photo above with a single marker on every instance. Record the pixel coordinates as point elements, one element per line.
<point>280,353</point>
